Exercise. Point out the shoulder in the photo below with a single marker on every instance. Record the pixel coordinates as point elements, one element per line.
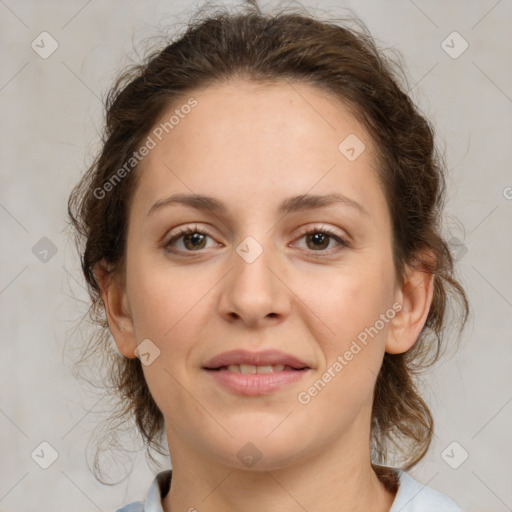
<point>157,490</point>
<point>136,506</point>
<point>413,496</point>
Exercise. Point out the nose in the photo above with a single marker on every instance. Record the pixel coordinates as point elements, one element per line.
<point>254,292</point>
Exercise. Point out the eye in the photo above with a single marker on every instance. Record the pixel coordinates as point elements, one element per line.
<point>318,239</point>
<point>191,239</point>
<point>194,239</point>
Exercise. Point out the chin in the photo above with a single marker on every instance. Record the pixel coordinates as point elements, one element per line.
<point>256,450</point>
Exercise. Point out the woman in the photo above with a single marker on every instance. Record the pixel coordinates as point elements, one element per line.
<point>261,233</point>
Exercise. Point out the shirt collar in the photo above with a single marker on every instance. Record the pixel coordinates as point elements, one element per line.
<point>157,491</point>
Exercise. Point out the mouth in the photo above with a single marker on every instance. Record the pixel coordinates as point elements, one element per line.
<point>246,362</point>
<point>251,369</point>
<point>255,373</point>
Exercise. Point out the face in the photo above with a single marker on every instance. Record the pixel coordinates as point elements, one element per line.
<point>261,271</point>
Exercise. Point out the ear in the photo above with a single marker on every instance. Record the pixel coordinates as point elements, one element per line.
<point>113,293</point>
<point>416,297</point>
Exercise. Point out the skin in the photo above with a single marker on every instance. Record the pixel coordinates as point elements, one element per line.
<point>251,147</point>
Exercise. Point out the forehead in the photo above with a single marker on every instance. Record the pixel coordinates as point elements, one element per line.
<point>253,142</point>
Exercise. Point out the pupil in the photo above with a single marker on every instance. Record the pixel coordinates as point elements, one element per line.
<point>319,237</point>
<point>194,238</point>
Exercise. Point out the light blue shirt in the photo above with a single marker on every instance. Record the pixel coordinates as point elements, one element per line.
<point>410,497</point>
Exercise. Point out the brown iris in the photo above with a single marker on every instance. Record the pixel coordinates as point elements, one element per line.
<point>320,240</point>
<point>197,241</point>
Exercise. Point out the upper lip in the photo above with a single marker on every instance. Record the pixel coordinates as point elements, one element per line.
<point>263,358</point>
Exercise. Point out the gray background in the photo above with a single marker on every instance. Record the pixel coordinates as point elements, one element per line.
<point>51,116</point>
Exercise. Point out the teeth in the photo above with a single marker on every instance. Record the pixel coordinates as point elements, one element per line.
<point>265,369</point>
<point>246,369</point>
<point>270,368</point>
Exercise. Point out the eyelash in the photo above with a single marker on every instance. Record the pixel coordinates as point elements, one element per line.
<point>311,231</point>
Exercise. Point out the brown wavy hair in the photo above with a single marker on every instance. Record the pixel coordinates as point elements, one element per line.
<point>342,61</point>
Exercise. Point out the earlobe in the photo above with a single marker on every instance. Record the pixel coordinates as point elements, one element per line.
<point>416,298</point>
<point>117,309</point>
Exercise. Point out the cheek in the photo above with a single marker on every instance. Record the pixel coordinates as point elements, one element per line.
<point>355,304</point>
<point>348,300</point>
<point>161,296</point>
<point>353,346</point>
<point>170,309</point>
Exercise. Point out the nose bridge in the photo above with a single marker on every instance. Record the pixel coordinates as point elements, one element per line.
<point>253,292</point>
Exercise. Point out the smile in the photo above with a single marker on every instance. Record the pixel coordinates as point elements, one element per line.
<point>251,380</point>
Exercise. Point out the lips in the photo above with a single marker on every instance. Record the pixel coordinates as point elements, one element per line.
<point>245,373</point>
<point>246,360</point>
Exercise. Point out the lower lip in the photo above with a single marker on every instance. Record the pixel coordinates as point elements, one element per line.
<point>256,383</point>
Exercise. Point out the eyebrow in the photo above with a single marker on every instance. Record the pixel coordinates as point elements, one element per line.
<point>292,204</point>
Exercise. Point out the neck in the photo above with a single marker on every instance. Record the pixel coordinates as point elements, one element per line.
<point>321,483</point>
